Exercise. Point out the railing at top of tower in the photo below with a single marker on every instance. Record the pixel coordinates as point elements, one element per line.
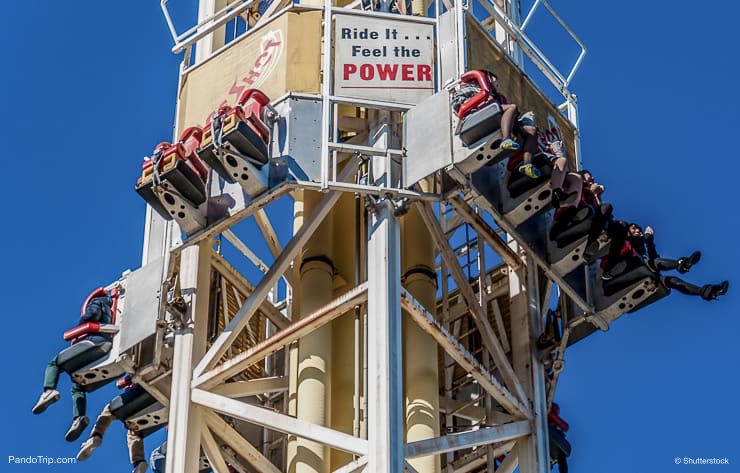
<point>232,9</point>
<point>205,27</point>
<point>570,32</point>
<point>516,33</point>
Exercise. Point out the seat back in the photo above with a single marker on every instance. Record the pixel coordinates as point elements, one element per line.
<point>626,279</point>
<point>479,99</point>
<point>558,443</point>
<point>139,410</point>
<point>130,402</point>
<point>86,361</point>
<point>255,111</point>
<point>82,354</point>
<point>480,124</point>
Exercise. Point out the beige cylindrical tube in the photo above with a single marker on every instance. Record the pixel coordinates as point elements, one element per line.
<point>313,365</point>
<point>420,7</point>
<point>343,359</point>
<point>420,350</point>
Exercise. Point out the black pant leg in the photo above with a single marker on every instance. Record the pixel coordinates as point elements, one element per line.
<point>682,286</point>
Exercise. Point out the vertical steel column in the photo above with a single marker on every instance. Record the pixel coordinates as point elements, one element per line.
<point>514,11</point>
<point>183,441</point>
<point>326,87</point>
<point>205,47</point>
<point>526,325</point>
<point>487,362</point>
<point>385,397</point>
<point>572,113</point>
<point>460,34</point>
<point>539,394</point>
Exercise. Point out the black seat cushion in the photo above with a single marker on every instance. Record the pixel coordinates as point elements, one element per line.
<point>246,141</point>
<point>82,354</point>
<point>558,443</point>
<point>184,179</point>
<point>130,402</point>
<point>146,191</point>
<point>480,123</point>
<point>564,232</point>
<point>626,279</point>
<point>519,184</point>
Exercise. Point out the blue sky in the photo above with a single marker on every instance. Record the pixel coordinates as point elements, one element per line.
<point>87,91</point>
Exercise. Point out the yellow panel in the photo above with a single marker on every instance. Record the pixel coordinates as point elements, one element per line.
<point>304,52</point>
<point>282,56</point>
<point>484,53</point>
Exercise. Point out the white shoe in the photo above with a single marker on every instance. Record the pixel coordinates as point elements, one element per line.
<point>140,467</point>
<point>47,399</point>
<point>76,429</point>
<point>88,446</point>
<point>556,148</point>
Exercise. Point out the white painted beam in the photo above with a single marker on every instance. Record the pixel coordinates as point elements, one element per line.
<point>234,439</point>
<point>477,458</point>
<point>475,414</point>
<point>385,416</point>
<point>473,438</point>
<point>485,232</point>
<point>252,387</point>
<point>354,466</point>
<point>213,453</point>
<point>479,316</point>
<point>235,279</point>
<point>281,264</point>
<point>462,356</point>
<point>280,422</point>
<point>245,250</point>
<point>285,337</point>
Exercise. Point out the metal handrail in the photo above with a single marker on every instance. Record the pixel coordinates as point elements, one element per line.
<point>204,27</point>
<point>565,27</point>
<point>528,46</point>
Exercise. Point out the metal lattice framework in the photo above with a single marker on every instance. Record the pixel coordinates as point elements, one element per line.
<point>228,370</point>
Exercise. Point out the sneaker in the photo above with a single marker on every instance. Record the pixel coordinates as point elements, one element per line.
<point>88,446</point>
<point>556,148</point>
<point>530,171</point>
<point>76,429</point>
<point>560,197</point>
<point>510,144</point>
<point>684,264</point>
<point>589,253</point>
<point>47,398</point>
<point>712,292</point>
<point>140,467</point>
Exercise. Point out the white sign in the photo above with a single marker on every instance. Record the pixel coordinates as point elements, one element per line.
<point>383,59</point>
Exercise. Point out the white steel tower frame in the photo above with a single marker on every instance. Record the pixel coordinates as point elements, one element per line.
<point>508,398</point>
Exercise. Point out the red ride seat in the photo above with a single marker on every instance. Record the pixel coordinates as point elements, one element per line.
<point>84,352</point>
<point>179,167</point>
<point>242,128</point>
<point>481,114</point>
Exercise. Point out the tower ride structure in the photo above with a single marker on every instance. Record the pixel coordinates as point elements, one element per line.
<point>340,274</point>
